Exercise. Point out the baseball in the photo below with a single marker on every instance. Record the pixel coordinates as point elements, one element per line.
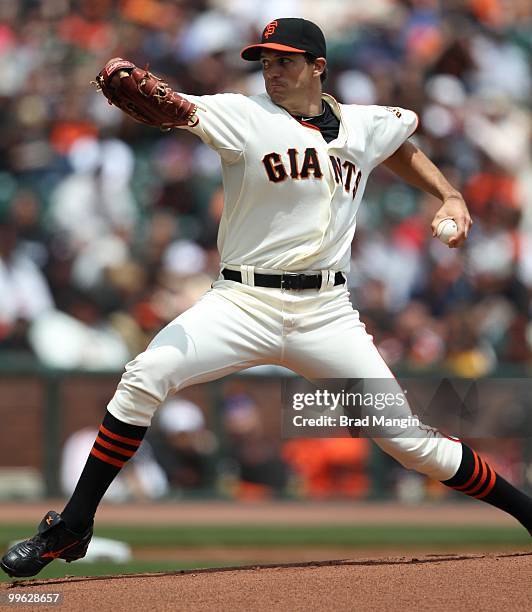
<point>447,229</point>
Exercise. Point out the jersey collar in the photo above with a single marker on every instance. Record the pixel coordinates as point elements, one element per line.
<point>337,111</point>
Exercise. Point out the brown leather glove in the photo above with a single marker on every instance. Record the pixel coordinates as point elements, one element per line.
<point>143,96</point>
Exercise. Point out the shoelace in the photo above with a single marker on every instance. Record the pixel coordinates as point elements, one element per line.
<point>38,543</point>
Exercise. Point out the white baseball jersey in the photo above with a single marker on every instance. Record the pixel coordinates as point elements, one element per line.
<point>291,198</point>
<point>291,201</point>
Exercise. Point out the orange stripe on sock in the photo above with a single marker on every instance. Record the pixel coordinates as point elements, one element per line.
<point>491,484</point>
<point>483,479</point>
<point>472,479</point>
<point>116,449</point>
<point>107,459</point>
<point>114,436</point>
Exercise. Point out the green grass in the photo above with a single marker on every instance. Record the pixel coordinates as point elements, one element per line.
<point>359,536</point>
<point>379,537</point>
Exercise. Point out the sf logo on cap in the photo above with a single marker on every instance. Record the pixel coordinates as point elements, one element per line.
<point>270,29</point>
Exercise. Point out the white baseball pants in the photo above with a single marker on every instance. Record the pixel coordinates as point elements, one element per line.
<point>236,326</point>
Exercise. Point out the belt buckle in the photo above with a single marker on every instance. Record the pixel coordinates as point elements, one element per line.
<point>292,281</point>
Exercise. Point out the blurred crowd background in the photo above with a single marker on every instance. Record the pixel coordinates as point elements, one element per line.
<point>108,228</point>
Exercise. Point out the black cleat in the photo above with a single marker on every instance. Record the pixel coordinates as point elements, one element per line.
<point>52,541</point>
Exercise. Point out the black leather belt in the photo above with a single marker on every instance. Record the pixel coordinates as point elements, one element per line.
<point>288,280</point>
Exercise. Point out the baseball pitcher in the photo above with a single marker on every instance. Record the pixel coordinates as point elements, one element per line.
<point>295,164</point>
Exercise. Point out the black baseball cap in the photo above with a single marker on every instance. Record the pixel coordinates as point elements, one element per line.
<point>290,34</point>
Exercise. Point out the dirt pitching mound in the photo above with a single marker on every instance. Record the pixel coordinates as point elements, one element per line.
<point>424,582</point>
